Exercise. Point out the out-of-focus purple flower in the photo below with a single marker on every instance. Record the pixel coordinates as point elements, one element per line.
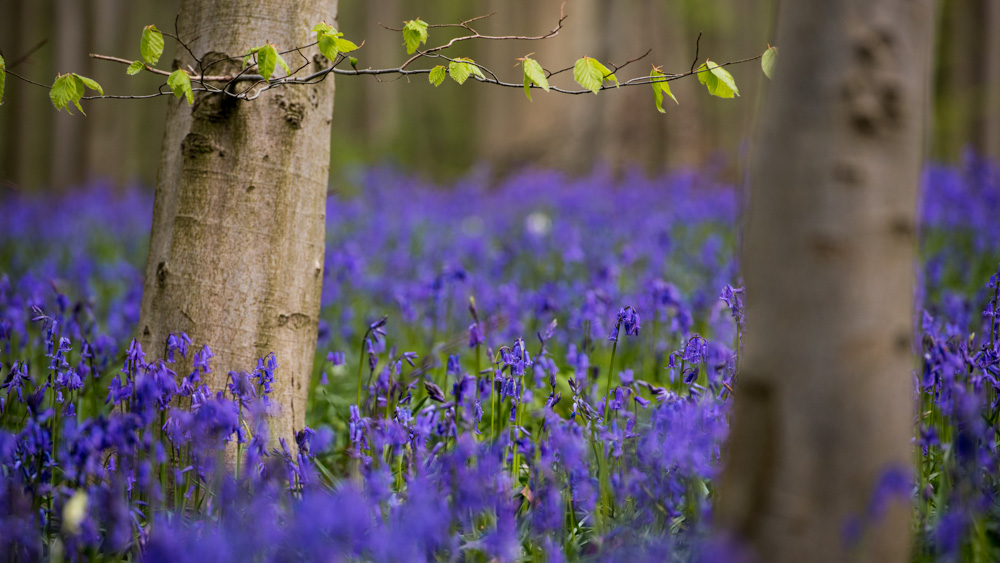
<point>475,335</point>
<point>336,358</point>
<point>434,392</point>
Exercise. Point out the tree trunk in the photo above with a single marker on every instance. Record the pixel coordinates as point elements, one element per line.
<point>236,254</point>
<point>824,404</point>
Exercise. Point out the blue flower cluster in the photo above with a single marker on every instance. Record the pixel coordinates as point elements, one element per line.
<point>512,427</point>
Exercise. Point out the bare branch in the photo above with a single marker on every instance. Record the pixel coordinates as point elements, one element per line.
<point>28,53</point>
<point>697,42</point>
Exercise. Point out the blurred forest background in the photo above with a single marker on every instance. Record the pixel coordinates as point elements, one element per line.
<point>442,132</point>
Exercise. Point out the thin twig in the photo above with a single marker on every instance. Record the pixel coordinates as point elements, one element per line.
<point>29,81</point>
<point>28,54</point>
<point>697,43</point>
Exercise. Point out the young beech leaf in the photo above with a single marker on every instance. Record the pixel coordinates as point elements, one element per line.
<point>267,57</point>
<point>331,42</point>
<point>718,80</point>
<point>533,74</point>
<point>436,77</point>
<point>344,45</point>
<point>90,83</point>
<point>180,84</point>
<point>660,87</point>
<point>605,73</point>
<point>461,68</point>
<point>69,88</point>
<point>151,45</point>
<point>249,55</point>
<point>414,33</point>
<point>767,61</point>
<point>327,45</point>
<point>3,77</point>
<point>459,71</point>
<point>135,68</point>
<point>590,74</point>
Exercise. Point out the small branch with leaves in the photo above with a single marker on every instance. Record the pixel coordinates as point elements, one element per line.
<point>260,64</point>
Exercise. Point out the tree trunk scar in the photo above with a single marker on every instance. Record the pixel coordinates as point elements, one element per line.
<point>298,320</point>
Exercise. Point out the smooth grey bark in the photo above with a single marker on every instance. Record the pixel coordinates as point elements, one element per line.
<point>236,253</point>
<point>824,403</point>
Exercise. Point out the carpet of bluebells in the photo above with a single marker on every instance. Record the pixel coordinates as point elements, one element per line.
<point>536,369</point>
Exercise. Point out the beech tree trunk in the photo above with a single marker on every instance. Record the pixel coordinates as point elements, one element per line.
<point>236,253</point>
<point>824,403</point>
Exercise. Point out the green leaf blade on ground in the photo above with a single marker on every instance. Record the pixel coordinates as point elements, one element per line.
<point>151,45</point>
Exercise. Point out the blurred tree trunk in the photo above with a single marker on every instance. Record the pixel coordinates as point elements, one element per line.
<point>991,108</point>
<point>236,253</point>
<point>823,407</point>
<point>71,34</point>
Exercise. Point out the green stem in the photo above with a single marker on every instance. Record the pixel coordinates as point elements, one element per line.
<point>361,361</point>
<point>611,365</point>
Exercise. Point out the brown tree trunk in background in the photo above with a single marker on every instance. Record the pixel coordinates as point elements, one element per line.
<point>236,254</point>
<point>991,76</point>
<point>70,43</point>
<point>824,404</point>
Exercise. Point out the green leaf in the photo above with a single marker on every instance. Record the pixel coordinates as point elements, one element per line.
<point>475,69</point>
<point>436,77</point>
<point>606,74</point>
<point>344,45</point>
<point>414,33</point>
<point>586,75</point>
<point>660,87</point>
<point>67,89</point>
<point>135,68</point>
<point>251,53</point>
<point>327,45</point>
<point>718,80</point>
<point>323,28</point>
<point>180,84</point>
<point>151,45</point>
<point>590,74</point>
<point>331,42</point>
<point>767,61</point>
<point>3,77</point>
<point>533,74</point>
<point>459,71</point>
<point>90,83</point>
<point>267,57</point>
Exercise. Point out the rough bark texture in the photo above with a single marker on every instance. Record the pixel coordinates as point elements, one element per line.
<point>236,253</point>
<point>824,404</point>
